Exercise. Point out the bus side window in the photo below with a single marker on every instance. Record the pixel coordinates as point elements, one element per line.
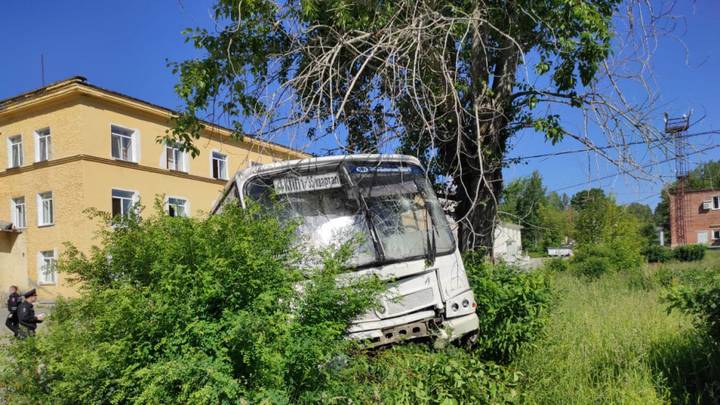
<point>230,198</point>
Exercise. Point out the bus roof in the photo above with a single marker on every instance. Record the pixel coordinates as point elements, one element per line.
<point>242,175</point>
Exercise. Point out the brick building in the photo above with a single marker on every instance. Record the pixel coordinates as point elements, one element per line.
<point>702,218</point>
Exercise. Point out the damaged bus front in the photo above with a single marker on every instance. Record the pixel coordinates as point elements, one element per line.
<point>404,238</point>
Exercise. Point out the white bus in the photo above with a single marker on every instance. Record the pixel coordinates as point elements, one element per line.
<point>387,203</point>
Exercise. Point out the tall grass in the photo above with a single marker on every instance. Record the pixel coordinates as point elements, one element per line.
<point>610,341</point>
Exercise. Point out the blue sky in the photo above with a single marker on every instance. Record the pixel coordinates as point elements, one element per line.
<point>124,46</point>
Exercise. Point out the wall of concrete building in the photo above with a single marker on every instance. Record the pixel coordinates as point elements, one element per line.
<point>13,260</point>
<point>82,173</point>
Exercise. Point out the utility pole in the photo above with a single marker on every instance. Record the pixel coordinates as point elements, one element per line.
<point>677,128</point>
<point>42,69</point>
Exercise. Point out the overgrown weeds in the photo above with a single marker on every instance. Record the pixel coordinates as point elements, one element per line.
<point>612,340</point>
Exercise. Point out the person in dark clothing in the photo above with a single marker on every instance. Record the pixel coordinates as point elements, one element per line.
<point>12,305</point>
<point>26,315</point>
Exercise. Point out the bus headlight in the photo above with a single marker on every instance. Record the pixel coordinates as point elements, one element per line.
<point>462,304</point>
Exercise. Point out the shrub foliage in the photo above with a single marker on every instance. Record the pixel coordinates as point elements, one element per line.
<point>192,310</point>
<point>689,253</point>
<point>616,256</point>
<point>700,297</point>
<point>512,306</point>
<point>657,254</point>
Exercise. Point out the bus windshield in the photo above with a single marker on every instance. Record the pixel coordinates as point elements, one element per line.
<point>389,209</point>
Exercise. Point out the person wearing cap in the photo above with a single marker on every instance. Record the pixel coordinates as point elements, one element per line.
<point>12,305</point>
<point>26,315</point>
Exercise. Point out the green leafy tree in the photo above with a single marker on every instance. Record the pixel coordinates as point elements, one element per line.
<point>608,237</point>
<point>591,215</point>
<point>646,222</point>
<point>558,201</point>
<point>641,212</point>
<point>585,198</point>
<point>662,213</point>
<point>522,203</point>
<point>449,82</point>
<point>557,225</point>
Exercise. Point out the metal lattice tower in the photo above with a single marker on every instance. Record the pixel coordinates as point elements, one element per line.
<point>677,128</point>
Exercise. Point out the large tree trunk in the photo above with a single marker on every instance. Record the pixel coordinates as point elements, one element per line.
<point>478,213</point>
<point>483,145</point>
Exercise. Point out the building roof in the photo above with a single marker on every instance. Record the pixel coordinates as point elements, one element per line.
<point>80,84</point>
<point>702,190</point>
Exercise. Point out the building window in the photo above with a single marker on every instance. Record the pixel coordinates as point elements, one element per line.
<point>18,212</point>
<point>177,207</point>
<point>716,202</point>
<point>219,166</point>
<point>46,267</point>
<point>123,147</point>
<point>716,233</point>
<point>15,151</point>
<point>175,158</point>
<point>45,209</point>
<point>42,145</point>
<point>122,202</point>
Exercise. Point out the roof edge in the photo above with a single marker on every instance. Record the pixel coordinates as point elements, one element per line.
<point>81,83</point>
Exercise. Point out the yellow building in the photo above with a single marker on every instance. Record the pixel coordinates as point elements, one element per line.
<point>71,146</point>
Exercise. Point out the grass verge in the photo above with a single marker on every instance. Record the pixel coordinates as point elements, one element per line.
<point>610,341</point>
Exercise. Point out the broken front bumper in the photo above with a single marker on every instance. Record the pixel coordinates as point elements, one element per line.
<point>418,325</point>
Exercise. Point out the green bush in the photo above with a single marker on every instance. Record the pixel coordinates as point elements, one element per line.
<point>190,311</point>
<point>416,374</point>
<point>557,265</point>
<point>597,259</point>
<point>512,306</point>
<point>689,253</point>
<point>699,297</point>
<point>592,267</point>
<point>657,254</point>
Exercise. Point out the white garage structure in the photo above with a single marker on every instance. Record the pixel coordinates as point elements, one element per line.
<point>508,242</point>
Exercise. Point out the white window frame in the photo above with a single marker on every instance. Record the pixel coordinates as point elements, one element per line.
<point>42,273</point>
<point>41,198</point>
<point>716,202</point>
<point>180,159</point>
<point>10,146</point>
<point>134,142</point>
<point>19,222</point>
<point>46,134</point>
<point>133,199</point>
<point>715,234</point>
<point>186,205</point>
<point>224,176</point>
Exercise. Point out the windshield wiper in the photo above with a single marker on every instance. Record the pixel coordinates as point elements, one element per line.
<point>430,234</point>
<point>379,250</point>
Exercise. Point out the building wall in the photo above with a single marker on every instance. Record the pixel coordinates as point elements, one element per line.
<point>64,119</point>
<point>65,181</point>
<point>697,219</point>
<point>13,260</point>
<point>508,242</point>
<point>82,173</point>
<point>99,115</point>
